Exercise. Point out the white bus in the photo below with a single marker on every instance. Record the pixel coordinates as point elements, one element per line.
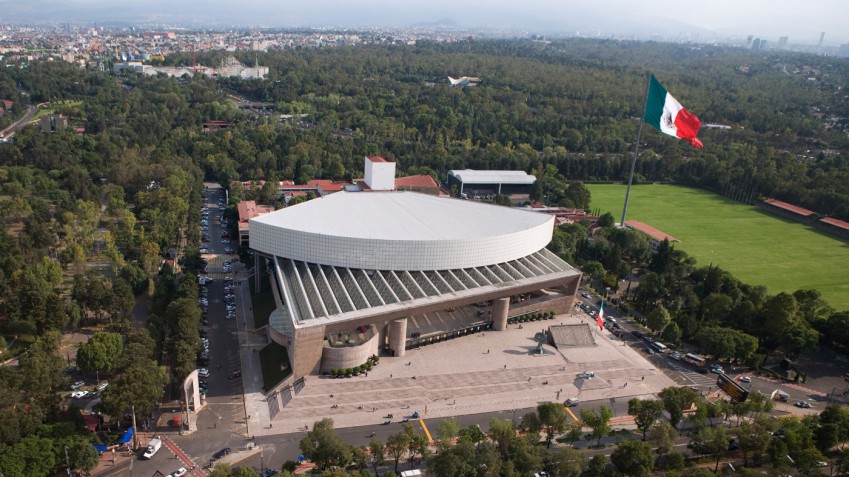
<point>659,347</point>
<point>695,359</point>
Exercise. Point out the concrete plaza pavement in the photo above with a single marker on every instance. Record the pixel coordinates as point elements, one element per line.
<point>483,372</point>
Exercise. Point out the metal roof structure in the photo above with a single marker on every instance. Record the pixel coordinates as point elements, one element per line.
<point>469,176</point>
<point>407,216</point>
<point>311,291</point>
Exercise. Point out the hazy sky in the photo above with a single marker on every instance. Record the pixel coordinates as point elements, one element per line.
<point>801,20</point>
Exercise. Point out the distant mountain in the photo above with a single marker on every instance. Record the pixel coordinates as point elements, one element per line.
<point>441,23</point>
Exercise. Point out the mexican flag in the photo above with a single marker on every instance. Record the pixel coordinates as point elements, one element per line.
<point>668,116</point>
<point>600,318</point>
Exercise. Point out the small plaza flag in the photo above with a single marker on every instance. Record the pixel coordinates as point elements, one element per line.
<point>600,318</point>
<point>667,115</point>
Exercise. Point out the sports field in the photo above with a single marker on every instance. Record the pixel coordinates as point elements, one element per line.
<point>758,248</point>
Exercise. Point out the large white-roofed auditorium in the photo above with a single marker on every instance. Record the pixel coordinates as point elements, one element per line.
<point>348,271</point>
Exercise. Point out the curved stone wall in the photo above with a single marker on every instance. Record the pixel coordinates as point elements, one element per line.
<point>348,356</point>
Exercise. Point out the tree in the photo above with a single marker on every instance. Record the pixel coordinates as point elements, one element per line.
<point>711,441</point>
<point>566,463</point>
<point>671,333</point>
<point>606,220</point>
<point>501,431</point>
<point>645,412</point>
<point>633,457</point>
<point>139,385</point>
<point>552,415</point>
<point>807,460</point>
<point>82,456</point>
<point>658,319</point>
<point>826,436</point>
<point>32,456</point>
<point>448,430</point>
<point>663,437</point>
<point>324,447</point>
<point>597,465</point>
<point>752,438</point>
<point>377,453</point>
<point>676,400</point>
<point>598,421</point>
<point>101,353</point>
<point>396,447</point>
<point>839,416</point>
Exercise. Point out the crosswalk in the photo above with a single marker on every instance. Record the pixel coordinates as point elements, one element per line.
<point>686,376</point>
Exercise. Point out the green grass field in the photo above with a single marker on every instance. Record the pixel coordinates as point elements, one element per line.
<point>756,247</point>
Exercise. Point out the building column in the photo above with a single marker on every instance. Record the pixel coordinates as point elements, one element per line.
<point>398,336</point>
<point>500,307</point>
<point>257,281</point>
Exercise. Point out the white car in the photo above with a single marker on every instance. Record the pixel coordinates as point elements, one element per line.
<point>102,386</point>
<point>179,472</point>
<point>571,402</point>
<point>78,385</point>
<point>586,375</point>
<point>79,394</point>
<point>203,372</point>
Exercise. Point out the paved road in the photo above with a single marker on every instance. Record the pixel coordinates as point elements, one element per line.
<point>221,424</point>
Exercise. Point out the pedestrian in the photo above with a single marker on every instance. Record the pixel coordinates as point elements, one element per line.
<point>487,351</point>
<point>643,378</point>
<point>390,375</point>
<point>215,425</point>
<point>529,379</point>
<point>505,366</point>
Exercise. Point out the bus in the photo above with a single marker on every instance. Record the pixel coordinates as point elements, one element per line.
<point>660,347</point>
<point>695,359</point>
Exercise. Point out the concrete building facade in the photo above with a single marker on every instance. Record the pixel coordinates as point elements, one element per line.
<point>348,270</point>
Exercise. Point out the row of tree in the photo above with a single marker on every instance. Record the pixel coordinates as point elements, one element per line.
<point>510,450</point>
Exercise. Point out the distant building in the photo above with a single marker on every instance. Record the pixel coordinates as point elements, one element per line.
<point>247,210</point>
<point>215,125</point>
<point>782,42</point>
<point>471,183</point>
<point>53,123</point>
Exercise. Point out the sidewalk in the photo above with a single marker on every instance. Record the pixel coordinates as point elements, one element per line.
<point>484,372</point>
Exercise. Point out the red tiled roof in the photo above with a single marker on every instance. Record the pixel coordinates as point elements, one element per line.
<point>91,421</point>
<point>248,209</point>
<point>836,222</point>
<point>423,180</point>
<point>790,207</point>
<point>327,185</point>
<point>650,231</point>
<point>378,159</point>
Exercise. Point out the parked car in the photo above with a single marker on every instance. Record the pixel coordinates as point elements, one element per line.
<point>745,379</point>
<point>586,375</point>
<point>203,372</point>
<point>222,453</point>
<point>269,472</point>
<point>802,404</point>
<point>179,472</point>
<point>571,402</point>
<point>78,385</point>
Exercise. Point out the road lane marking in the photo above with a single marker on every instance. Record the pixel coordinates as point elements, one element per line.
<point>427,433</point>
<point>569,411</point>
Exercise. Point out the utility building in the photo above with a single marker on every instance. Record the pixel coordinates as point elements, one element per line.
<point>471,183</point>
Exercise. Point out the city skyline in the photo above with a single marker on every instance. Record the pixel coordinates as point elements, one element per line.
<point>606,18</point>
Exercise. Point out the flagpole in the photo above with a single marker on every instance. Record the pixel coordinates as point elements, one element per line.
<point>636,149</point>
